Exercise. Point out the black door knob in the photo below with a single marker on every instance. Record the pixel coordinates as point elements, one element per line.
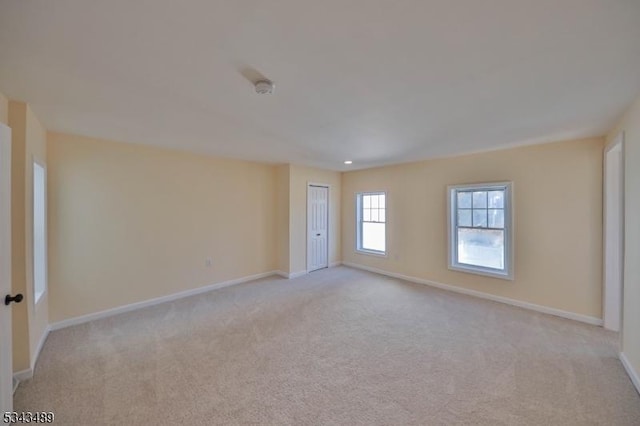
<point>17,299</point>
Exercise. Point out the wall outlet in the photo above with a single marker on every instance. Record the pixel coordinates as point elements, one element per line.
<point>208,262</point>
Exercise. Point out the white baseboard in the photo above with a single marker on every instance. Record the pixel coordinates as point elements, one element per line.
<point>23,375</point>
<point>301,273</point>
<point>633,375</point>
<point>151,302</point>
<point>531,306</point>
<point>43,339</point>
<point>291,275</point>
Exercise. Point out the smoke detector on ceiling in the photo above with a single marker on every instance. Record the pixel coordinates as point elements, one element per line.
<point>264,87</point>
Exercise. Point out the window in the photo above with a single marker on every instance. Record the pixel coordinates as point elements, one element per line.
<point>39,231</point>
<point>371,220</point>
<point>480,238</point>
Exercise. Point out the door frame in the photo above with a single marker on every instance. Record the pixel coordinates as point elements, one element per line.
<point>6,355</point>
<point>613,234</point>
<point>323,185</point>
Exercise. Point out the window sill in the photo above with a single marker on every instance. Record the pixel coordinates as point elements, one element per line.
<point>371,252</point>
<point>482,271</point>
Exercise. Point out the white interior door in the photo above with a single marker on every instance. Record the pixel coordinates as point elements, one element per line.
<point>6,369</point>
<point>613,235</point>
<point>317,227</point>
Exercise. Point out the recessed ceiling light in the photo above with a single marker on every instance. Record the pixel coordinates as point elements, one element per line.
<point>348,162</point>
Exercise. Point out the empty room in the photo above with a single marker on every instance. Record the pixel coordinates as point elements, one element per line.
<point>363,212</point>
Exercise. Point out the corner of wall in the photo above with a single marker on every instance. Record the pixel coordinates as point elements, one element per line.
<point>4,109</point>
<point>283,174</point>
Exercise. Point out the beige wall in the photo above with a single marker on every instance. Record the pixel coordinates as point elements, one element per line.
<point>630,125</point>
<point>282,212</point>
<point>30,321</point>
<point>4,109</point>
<point>129,223</point>
<point>299,178</point>
<point>557,230</point>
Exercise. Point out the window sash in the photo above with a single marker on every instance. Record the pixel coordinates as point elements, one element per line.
<point>473,203</point>
<point>366,204</point>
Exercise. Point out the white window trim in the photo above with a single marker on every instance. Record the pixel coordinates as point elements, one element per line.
<point>508,273</point>
<point>359,225</point>
<point>39,296</point>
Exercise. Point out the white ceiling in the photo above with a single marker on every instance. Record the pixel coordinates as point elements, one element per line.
<point>374,81</point>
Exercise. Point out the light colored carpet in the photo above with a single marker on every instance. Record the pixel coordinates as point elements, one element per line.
<point>335,347</point>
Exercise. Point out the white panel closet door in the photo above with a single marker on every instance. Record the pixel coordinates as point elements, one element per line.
<point>317,227</point>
